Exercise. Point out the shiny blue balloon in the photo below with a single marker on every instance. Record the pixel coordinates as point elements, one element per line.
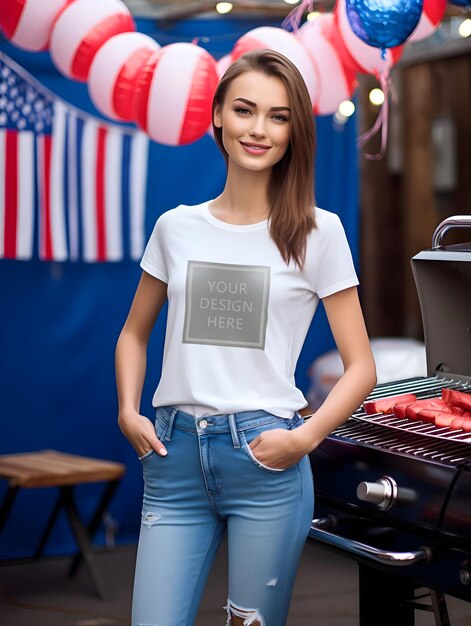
<point>383,23</point>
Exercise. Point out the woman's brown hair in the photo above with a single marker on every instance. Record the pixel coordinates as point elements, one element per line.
<point>291,187</point>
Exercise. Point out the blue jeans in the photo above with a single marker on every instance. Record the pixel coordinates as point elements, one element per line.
<point>211,482</point>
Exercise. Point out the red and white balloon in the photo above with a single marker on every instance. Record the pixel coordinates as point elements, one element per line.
<point>82,29</point>
<point>223,64</point>
<point>113,73</point>
<point>28,23</point>
<point>287,44</point>
<point>174,94</point>
<point>430,19</point>
<point>337,83</point>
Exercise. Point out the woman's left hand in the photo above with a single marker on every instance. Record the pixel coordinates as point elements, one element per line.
<point>279,448</point>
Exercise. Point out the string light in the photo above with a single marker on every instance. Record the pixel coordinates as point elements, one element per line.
<point>346,108</point>
<point>291,1</point>
<point>313,15</point>
<point>376,96</point>
<point>224,7</point>
<point>465,28</point>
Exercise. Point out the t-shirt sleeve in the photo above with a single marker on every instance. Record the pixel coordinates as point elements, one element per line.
<point>153,260</point>
<point>335,270</point>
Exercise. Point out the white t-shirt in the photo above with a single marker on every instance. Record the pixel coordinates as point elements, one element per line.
<point>238,315</point>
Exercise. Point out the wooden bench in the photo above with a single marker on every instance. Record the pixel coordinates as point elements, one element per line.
<point>48,468</point>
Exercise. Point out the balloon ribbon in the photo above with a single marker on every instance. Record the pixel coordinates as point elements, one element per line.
<point>381,120</point>
<point>294,17</point>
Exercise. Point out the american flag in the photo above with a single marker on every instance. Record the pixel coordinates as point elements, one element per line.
<point>81,180</point>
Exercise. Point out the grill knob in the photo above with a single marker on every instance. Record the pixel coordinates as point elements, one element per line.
<point>383,492</point>
<point>465,576</point>
<point>465,573</point>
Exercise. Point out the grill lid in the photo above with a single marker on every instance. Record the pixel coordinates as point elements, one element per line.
<point>443,279</point>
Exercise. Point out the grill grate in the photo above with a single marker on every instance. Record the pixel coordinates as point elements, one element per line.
<point>407,436</point>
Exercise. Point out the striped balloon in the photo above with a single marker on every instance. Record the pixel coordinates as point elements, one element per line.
<point>174,94</point>
<point>223,64</point>
<point>337,83</point>
<point>80,31</point>
<point>27,23</point>
<point>113,73</point>
<point>287,44</point>
<point>221,67</point>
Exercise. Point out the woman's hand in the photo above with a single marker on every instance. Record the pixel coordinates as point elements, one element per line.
<point>140,432</point>
<point>279,448</point>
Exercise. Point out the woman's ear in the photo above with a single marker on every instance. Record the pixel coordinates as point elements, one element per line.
<point>217,117</point>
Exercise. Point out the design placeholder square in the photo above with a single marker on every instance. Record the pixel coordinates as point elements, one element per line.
<point>226,305</point>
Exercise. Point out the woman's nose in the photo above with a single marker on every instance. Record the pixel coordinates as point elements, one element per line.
<point>258,127</point>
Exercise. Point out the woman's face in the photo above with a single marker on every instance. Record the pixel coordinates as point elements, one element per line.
<point>255,120</point>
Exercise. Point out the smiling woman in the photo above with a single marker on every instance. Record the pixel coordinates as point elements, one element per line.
<point>254,114</point>
<point>243,274</point>
<point>253,126</point>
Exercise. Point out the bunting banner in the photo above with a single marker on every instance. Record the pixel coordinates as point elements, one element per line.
<point>72,181</point>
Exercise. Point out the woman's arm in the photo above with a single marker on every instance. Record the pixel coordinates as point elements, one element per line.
<point>359,378</point>
<point>131,360</point>
<point>279,448</point>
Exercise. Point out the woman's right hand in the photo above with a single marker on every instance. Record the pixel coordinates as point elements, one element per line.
<point>140,432</point>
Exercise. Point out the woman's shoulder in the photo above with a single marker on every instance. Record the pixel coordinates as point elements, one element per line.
<point>327,223</point>
<point>324,217</point>
<point>182,212</point>
<point>329,232</point>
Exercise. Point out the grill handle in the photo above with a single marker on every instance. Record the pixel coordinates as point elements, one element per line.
<point>318,532</point>
<point>454,221</point>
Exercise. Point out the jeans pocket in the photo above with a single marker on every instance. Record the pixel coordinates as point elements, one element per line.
<point>160,427</point>
<point>147,455</point>
<point>247,436</point>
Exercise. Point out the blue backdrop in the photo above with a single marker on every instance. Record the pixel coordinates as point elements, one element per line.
<point>60,321</point>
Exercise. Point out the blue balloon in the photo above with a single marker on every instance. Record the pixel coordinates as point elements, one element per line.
<point>461,3</point>
<point>384,23</point>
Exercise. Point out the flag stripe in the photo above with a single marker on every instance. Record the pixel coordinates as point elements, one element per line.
<point>88,148</point>
<point>138,181</point>
<point>100,194</point>
<point>125,195</point>
<point>57,212</point>
<point>24,242</point>
<point>11,194</point>
<point>40,184</point>
<point>44,169</point>
<point>113,202</point>
<point>47,197</point>
<point>2,190</point>
<point>71,196</point>
<point>79,123</point>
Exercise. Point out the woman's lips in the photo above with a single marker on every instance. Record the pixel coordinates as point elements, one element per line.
<point>254,149</point>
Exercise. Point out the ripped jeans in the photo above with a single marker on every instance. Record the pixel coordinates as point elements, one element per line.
<point>209,483</point>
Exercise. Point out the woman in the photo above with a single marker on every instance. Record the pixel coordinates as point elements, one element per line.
<point>243,274</point>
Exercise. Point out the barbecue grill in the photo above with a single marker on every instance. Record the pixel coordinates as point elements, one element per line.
<point>395,494</point>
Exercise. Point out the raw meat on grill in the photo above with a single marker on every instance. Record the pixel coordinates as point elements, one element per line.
<point>444,420</point>
<point>386,405</point>
<point>462,423</point>
<point>430,404</point>
<point>430,415</point>
<point>457,398</point>
<point>399,409</point>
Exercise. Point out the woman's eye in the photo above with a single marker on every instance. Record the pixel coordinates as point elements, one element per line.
<point>282,118</point>
<point>242,111</point>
